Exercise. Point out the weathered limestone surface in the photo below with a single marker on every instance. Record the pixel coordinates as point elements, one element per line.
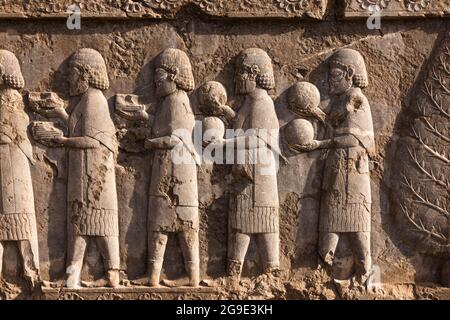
<point>408,68</point>
<point>158,9</point>
<point>397,8</point>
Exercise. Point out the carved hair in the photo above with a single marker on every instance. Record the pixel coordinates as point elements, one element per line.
<point>177,63</point>
<point>349,58</point>
<point>92,65</point>
<point>259,63</point>
<point>10,70</point>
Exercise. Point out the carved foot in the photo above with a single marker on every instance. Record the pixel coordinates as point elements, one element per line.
<point>113,278</point>
<point>193,271</point>
<point>183,282</point>
<point>33,281</point>
<point>272,270</point>
<point>234,268</point>
<point>73,278</point>
<point>155,272</point>
<point>153,281</point>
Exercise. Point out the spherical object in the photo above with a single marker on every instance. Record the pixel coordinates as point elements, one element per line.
<point>299,131</point>
<point>303,97</point>
<point>211,95</point>
<point>213,129</point>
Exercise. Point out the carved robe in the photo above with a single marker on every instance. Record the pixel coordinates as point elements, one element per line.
<point>17,212</point>
<point>173,203</point>
<point>254,204</point>
<point>346,200</point>
<point>91,193</point>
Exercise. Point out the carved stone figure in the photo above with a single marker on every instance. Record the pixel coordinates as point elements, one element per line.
<point>254,201</point>
<point>91,194</point>
<point>346,194</point>
<point>173,203</point>
<point>17,212</point>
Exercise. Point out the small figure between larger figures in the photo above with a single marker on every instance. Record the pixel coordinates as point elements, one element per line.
<point>346,194</point>
<point>91,193</point>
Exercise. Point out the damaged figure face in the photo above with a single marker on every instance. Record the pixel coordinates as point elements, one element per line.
<point>164,82</point>
<point>77,83</point>
<point>245,79</point>
<point>340,79</point>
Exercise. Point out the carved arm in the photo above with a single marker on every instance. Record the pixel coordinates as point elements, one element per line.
<point>345,141</point>
<point>77,142</point>
<point>167,142</point>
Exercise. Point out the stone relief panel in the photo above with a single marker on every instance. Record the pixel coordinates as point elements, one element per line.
<point>156,9</point>
<point>397,8</point>
<point>117,218</point>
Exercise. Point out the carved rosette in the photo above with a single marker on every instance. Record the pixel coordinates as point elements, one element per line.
<point>189,296</point>
<point>210,5</point>
<point>293,5</point>
<point>70,296</point>
<point>168,5</point>
<point>252,5</point>
<point>150,296</point>
<point>366,4</point>
<point>416,5</point>
<point>110,296</point>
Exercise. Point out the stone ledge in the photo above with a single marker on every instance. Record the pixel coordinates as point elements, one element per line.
<point>398,8</point>
<point>161,9</point>
<point>130,293</point>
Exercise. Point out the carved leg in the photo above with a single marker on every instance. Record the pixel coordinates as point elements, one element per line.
<point>76,262</point>
<point>240,242</point>
<point>190,247</point>
<point>327,248</point>
<point>30,267</point>
<point>157,242</point>
<point>109,249</point>
<point>360,242</point>
<point>269,249</point>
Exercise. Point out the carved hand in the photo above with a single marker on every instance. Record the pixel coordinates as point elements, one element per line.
<point>52,142</point>
<point>217,143</point>
<point>227,112</point>
<point>141,115</point>
<point>4,139</point>
<point>75,142</point>
<point>149,144</point>
<point>58,140</point>
<point>313,145</point>
<point>58,112</point>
